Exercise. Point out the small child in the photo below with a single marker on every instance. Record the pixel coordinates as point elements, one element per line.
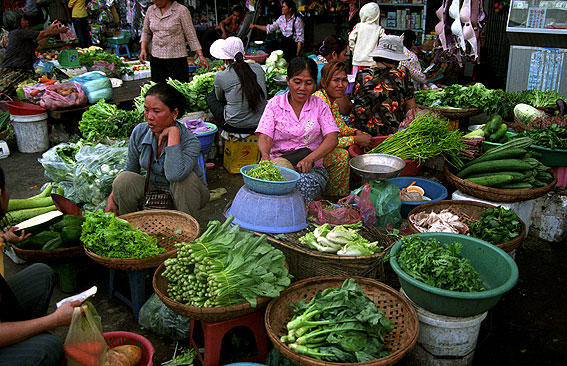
<point>364,37</point>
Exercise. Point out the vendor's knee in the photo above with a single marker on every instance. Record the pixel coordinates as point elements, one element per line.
<point>124,181</point>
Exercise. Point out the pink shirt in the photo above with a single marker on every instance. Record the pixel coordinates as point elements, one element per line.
<point>290,133</point>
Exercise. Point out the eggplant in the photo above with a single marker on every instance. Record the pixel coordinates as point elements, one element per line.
<point>562,106</point>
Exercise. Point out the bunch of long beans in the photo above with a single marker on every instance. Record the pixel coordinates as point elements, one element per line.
<point>426,137</point>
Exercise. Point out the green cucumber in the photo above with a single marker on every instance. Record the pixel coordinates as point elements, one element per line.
<point>518,185</point>
<point>45,193</point>
<point>522,142</point>
<point>492,180</point>
<point>36,242</point>
<point>54,243</point>
<point>493,124</point>
<point>518,176</point>
<point>22,204</point>
<point>500,132</point>
<point>495,166</point>
<point>505,154</point>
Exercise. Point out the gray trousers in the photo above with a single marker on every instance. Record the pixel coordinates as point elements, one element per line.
<point>189,194</point>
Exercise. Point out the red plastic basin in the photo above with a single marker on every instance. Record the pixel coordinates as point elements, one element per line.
<point>412,166</point>
<point>24,109</point>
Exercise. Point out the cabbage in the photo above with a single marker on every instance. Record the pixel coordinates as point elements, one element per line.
<point>526,113</point>
<point>281,63</point>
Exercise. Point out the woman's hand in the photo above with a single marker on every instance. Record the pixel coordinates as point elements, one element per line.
<point>363,139</point>
<point>202,58</point>
<point>169,134</point>
<point>305,165</point>
<point>143,55</point>
<point>12,238</point>
<point>111,205</point>
<point>252,26</point>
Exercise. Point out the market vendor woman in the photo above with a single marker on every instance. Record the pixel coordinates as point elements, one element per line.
<point>174,151</point>
<point>17,65</point>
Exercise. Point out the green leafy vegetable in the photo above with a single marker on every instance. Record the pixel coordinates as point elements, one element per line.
<point>497,225</point>
<point>338,324</point>
<point>266,171</point>
<point>553,137</point>
<point>271,86</point>
<point>458,96</point>
<point>88,58</point>
<point>341,240</point>
<point>103,120</point>
<point>438,265</point>
<point>110,236</point>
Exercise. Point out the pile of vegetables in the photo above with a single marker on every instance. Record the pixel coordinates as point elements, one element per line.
<point>552,137</point>
<point>341,240</point>
<point>89,57</point>
<point>442,222</point>
<point>266,170</point>
<point>508,166</point>
<point>438,265</point>
<point>113,237</point>
<point>23,209</point>
<point>104,120</point>
<point>426,137</point>
<point>225,267</point>
<point>497,225</point>
<point>493,131</point>
<point>275,66</point>
<point>65,233</point>
<point>458,96</point>
<point>338,325</point>
<point>276,59</point>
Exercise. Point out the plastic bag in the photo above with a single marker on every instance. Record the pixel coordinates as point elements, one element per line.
<point>85,344</point>
<point>95,170</point>
<point>385,197</point>
<point>53,98</point>
<point>333,216</point>
<point>34,92</point>
<point>157,317</point>
<point>364,205</point>
<point>55,168</point>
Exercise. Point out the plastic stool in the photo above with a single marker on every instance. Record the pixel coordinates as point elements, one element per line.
<point>115,48</point>
<point>137,281</point>
<point>201,162</point>
<point>213,334</point>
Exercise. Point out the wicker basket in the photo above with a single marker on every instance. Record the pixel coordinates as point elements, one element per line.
<point>469,211</point>
<point>49,256</point>
<point>218,314</point>
<point>304,262</point>
<point>396,307</point>
<point>157,223</point>
<point>496,194</point>
<point>453,113</point>
<point>115,339</point>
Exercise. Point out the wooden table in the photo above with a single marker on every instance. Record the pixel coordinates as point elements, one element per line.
<point>126,93</point>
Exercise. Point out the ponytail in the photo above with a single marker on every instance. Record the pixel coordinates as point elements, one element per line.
<point>248,83</point>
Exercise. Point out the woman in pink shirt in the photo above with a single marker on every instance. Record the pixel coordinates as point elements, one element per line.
<point>299,127</point>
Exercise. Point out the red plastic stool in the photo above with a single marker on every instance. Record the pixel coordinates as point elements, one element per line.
<point>213,334</point>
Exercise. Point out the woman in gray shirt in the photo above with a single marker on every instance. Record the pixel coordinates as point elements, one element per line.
<point>239,98</point>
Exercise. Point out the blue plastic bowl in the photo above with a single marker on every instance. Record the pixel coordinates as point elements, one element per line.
<point>270,187</point>
<point>435,191</point>
<point>207,138</point>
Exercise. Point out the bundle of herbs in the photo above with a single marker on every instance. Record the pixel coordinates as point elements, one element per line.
<point>497,225</point>
<point>426,137</point>
<point>339,325</point>
<point>266,170</point>
<point>552,137</point>
<point>225,267</point>
<point>438,265</point>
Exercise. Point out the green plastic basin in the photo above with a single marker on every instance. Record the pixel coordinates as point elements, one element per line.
<point>496,269</point>
<point>549,157</point>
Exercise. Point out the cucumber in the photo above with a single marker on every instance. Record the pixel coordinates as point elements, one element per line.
<point>36,242</point>
<point>510,153</point>
<point>18,216</point>
<point>533,162</point>
<point>53,244</point>
<point>518,176</point>
<point>522,142</point>
<point>500,132</point>
<point>519,185</point>
<point>22,204</point>
<point>492,180</point>
<point>495,166</point>
<point>45,193</point>
<point>504,139</point>
<point>493,124</point>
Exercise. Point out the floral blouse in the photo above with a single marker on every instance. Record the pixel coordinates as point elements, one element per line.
<point>380,94</point>
<point>346,133</point>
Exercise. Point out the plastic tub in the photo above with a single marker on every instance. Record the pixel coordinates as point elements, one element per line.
<point>31,132</point>
<point>259,57</point>
<point>24,109</point>
<point>412,166</point>
<point>496,269</point>
<point>270,187</point>
<point>206,138</point>
<point>435,191</point>
<point>268,213</point>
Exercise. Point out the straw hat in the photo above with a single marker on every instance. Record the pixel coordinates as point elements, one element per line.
<point>390,47</point>
<point>226,49</point>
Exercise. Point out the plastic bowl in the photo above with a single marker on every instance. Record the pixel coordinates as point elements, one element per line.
<point>433,190</point>
<point>207,138</point>
<point>24,109</point>
<point>259,57</point>
<point>497,270</point>
<point>270,187</point>
<point>268,213</point>
<point>412,166</point>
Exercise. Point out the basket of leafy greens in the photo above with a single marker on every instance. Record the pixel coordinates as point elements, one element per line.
<point>268,178</point>
<point>452,274</point>
<point>333,320</point>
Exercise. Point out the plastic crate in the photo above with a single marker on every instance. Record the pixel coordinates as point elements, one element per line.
<point>69,59</point>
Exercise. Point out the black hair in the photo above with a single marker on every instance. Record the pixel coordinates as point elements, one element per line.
<point>3,188</point>
<point>169,96</point>
<point>239,9</point>
<point>385,60</point>
<point>299,64</point>
<point>248,82</point>
<point>12,19</point>
<point>408,38</point>
<point>329,45</point>
<point>291,4</point>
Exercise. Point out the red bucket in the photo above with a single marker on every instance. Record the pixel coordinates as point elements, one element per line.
<point>24,109</point>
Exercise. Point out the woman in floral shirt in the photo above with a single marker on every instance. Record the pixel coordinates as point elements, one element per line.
<point>384,93</point>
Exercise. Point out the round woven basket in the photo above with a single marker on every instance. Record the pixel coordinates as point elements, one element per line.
<point>49,256</point>
<point>466,210</point>
<point>496,194</point>
<point>161,224</point>
<point>160,284</point>
<point>453,113</point>
<point>396,307</point>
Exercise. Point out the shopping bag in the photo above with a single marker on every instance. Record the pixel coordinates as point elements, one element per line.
<point>85,344</point>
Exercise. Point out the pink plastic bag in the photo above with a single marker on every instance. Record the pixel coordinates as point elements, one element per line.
<point>53,100</point>
<point>334,216</point>
<point>365,206</point>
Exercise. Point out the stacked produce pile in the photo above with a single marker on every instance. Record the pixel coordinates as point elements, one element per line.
<point>275,65</point>
<point>23,209</point>
<point>266,170</point>
<point>225,267</point>
<point>341,240</point>
<point>497,225</point>
<point>64,233</point>
<point>104,120</point>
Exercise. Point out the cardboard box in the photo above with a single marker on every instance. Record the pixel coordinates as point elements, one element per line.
<point>240,153</point>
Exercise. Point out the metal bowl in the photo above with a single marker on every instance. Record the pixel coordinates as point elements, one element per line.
<point>475,127</point>
<point>377,166</point>
<point>281,79</point>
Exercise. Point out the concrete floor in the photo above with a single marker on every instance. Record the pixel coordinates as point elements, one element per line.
<point>527,327</point>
